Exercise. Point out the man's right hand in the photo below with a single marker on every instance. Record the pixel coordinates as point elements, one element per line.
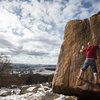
<point>81,51</point>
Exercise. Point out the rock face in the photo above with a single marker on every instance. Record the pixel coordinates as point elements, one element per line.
<point>70,61</point>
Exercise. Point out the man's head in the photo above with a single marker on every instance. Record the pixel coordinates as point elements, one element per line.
<point>89,43</point>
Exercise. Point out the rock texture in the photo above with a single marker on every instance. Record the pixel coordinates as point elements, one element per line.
<point>77,33</point>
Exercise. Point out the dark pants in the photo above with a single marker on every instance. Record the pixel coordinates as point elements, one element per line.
<point>92,63</point>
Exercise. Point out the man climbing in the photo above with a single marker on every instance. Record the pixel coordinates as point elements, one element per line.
<point>91,57</point>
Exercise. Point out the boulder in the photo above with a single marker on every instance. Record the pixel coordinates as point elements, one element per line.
<point>70,60</point>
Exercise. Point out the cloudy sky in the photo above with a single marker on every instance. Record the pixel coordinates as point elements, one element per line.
<point>31,31</point>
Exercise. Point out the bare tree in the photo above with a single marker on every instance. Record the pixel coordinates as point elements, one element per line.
<point>5,65</point>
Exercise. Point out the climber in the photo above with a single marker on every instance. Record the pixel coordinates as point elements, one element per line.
<point>90,60</point>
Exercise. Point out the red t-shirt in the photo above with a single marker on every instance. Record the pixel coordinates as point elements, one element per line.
<point>91,51</point>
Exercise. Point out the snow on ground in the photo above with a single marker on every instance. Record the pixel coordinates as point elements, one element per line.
<point>5,91</point>
<point>32,92</point>
<point>31,88</point>
<point>45,72</point>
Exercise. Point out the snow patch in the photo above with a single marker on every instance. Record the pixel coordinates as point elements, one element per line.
<point>31,88</point>
<point>42,92</point>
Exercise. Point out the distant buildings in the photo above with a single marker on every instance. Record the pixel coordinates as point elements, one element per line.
<point>22,69</point>
<point>21,72</point>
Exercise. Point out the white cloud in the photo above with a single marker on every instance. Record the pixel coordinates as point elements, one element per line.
<point>84,13</point>
<point>34,30</point>
<point>71,9</point>
<point>24,40</point>
<point>96,6</point>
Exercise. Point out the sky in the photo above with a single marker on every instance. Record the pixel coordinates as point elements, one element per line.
<point>32,31</point>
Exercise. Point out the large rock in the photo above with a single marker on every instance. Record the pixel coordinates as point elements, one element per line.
<point>77,33</point>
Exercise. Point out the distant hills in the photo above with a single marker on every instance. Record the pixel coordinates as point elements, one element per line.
<point>21,69</point>
<point>16,65</point>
